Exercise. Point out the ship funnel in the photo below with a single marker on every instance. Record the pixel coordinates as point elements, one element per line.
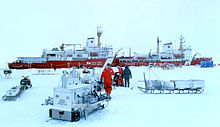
<point>99,33</point>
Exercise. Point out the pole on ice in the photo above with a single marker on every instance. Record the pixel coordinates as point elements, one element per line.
<point>64,79</point>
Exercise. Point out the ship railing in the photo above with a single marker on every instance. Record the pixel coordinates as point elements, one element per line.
<point>65,58</point>
<point>138,60</point>
<point>149,60</point>
<point>79,58</point>
<point>171,59</point>
<point>31,59</point>
<point>33,62</point>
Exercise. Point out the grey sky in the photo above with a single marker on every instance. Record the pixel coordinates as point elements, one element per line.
<point>27,27</point>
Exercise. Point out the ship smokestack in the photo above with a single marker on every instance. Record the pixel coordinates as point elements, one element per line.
<point>99,33</point>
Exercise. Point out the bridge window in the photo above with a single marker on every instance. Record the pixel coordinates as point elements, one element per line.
<point>51,54</point>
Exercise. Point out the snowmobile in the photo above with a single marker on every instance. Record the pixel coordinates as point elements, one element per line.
<point>74,99</point>
<point>25,82</point>
<point>13,93</point>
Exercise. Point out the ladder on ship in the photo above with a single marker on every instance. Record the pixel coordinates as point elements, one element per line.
<point>108,60</point>
<point>111,58</point>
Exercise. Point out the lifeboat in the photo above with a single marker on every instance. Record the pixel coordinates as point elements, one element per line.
<point>178,55</point>
<point>93,54</point>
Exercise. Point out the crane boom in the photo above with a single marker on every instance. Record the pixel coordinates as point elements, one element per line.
<point>65,45</point>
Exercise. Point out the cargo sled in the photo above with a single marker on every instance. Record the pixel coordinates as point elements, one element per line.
<point>13,93</point>
<point>172,86</point>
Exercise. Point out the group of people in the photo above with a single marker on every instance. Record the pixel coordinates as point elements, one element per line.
<point>121,74</point>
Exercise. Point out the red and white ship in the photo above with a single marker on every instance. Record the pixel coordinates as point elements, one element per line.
<point>97,56</point>
<point>90,56</point>
<point>169,55</point>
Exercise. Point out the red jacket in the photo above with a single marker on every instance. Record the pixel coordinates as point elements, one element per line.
<point>107,74</point>
<point>120,71</point>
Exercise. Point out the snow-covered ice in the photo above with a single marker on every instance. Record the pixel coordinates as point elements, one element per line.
<point>128,107</point>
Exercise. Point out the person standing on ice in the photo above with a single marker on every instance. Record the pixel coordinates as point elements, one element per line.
<point>107,75</point>
<point>127,75</point>
<point>120,79</point>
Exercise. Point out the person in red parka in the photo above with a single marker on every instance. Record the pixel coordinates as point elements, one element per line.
<point>107,75</point>
<point>120,79</point>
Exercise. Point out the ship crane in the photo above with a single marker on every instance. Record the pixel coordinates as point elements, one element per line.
<point>194,56</point>
<point>116,53</point>
<point>65,45</point>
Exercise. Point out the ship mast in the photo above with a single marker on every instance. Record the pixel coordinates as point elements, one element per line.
<point>129,52</point>
<point>99,33</point>
<point>181,42</point>
<point>158,45</point>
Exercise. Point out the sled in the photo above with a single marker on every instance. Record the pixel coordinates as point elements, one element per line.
<point>13,93</point>
<point>173,86</point>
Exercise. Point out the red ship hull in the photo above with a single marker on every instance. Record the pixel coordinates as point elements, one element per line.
<point>198,60</point>
<point>142,62</point>
<point>89,63</point>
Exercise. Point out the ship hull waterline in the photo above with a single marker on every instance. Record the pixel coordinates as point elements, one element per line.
<point>91,63</point>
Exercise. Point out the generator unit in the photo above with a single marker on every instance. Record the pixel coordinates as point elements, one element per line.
<point>76,97</point>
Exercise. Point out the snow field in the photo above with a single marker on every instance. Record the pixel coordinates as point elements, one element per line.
<point>128,106</point>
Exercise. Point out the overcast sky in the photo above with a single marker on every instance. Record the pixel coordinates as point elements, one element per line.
<point>29,26</point>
